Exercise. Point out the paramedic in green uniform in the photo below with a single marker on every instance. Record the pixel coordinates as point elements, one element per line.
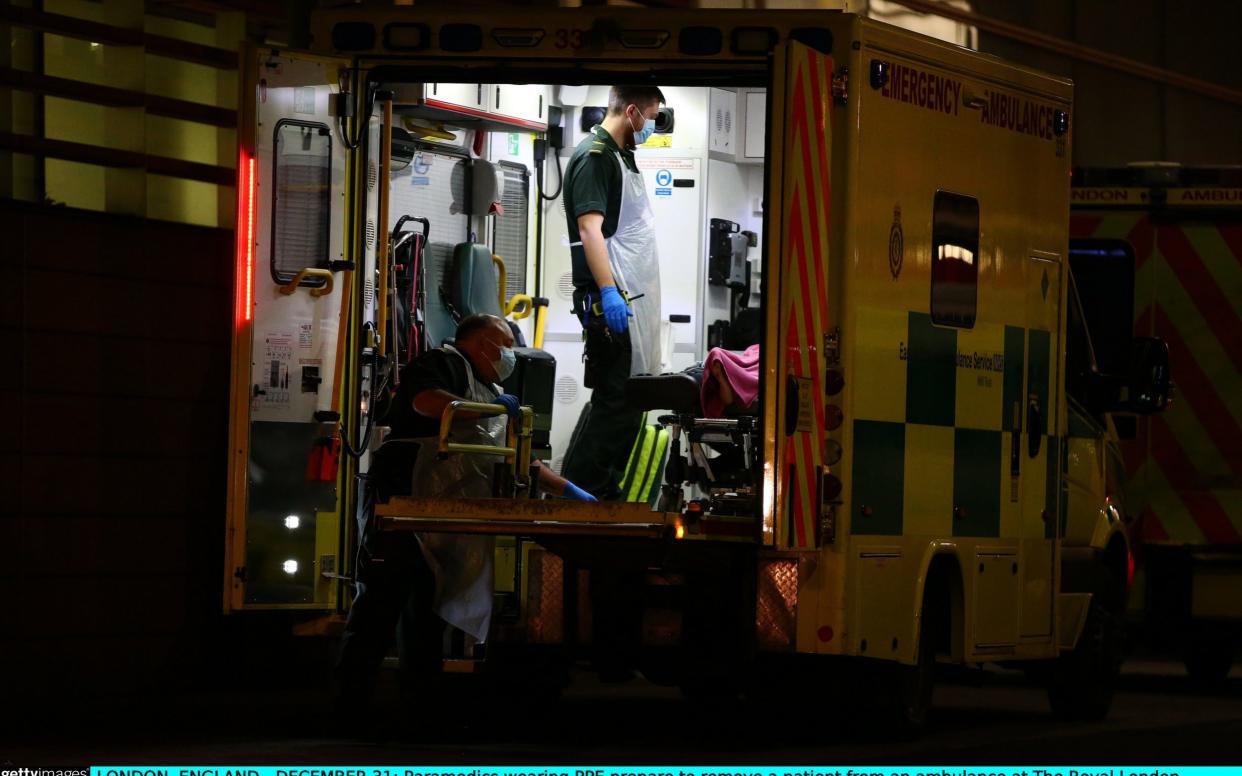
<point>613,250</point>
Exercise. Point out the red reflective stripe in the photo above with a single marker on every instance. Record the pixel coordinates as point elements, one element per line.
<point>1211,302</point>
<point>798,255</point>
<point>1148,527</point>
<point>1204,508</point>
<point>1196,387</point>
<point>1200,393</point>
<point>1232,235</point>
<point>814,148</point>
<point>1084,226</point>
<point>1141,238</point>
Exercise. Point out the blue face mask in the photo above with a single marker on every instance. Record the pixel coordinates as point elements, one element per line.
<point>641,135</point>
<point>505,364</point>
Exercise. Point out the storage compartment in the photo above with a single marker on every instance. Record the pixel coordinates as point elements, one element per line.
<point>736,125</point>
<point>491,107</point>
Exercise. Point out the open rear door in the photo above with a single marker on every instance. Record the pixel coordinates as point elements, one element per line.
<point>796,297</point>
<point>293,275</point>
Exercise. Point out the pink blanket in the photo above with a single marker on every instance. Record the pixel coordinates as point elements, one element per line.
<point>729,380</point>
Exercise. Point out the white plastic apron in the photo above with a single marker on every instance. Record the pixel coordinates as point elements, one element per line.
<point>635,263</point>
<point>462,564</point>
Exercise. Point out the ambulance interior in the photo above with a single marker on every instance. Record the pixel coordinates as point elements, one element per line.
<point>465,185</point>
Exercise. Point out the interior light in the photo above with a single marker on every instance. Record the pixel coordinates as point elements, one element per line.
<point>290,567</point>
<point>292,522</point>
<point>95,46</point>
<point>949,251</point>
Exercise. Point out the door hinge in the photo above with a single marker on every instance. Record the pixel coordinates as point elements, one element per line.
<point>832,346</point>
<point>841,86</point>
<point>240,573</point>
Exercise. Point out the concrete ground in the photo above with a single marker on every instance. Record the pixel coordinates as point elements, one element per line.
<point>996,717</point>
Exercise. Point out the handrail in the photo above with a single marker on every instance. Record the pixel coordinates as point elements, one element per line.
<point>541,320</point>
<point>507,308</point>
<point>382,258</point>
<point>516,451</point>
<point>527,307</point>
<point>310,272</point>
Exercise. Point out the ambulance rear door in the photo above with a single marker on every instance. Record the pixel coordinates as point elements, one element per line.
<point>796,488</point>
<point>294,273</point>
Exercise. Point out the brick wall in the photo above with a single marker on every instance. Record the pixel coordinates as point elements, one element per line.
<point>115,335</point>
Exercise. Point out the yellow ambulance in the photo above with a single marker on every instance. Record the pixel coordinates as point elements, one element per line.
<point>915,483</point>
<point>1180,228</point>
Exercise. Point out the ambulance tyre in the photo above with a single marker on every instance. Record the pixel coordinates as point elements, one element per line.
<point>908,689</point>
<point>922,679</point>
<point>1083,680</point>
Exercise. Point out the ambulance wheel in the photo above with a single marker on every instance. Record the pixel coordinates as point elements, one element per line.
<point>1209,657</point>
<point>1083,681</point>
<point>918,685</point>
<point>908,689</point>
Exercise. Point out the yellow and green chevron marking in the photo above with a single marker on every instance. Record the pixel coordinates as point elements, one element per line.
<point>933,446</point>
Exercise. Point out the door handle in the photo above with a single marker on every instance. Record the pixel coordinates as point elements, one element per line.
<point>1016,445</point>
<point>1034,428</point>
<point>791,405</point>
<point>310,272</point>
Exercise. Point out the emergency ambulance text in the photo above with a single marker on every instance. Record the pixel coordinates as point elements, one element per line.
<point>1017,114</point>
<point>926,90</point>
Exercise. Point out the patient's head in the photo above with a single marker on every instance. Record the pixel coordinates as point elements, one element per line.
<point>481,338</point>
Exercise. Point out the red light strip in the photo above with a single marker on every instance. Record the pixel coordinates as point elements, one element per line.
<point>250,245</point>
<point>245,233</point>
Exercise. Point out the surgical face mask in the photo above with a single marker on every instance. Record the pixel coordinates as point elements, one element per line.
<point>505,364</point>
<point>641,135</point>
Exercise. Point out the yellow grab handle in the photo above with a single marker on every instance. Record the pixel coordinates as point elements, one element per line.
<point>507,308</point>
<point>528,307</point>
<point>310,272</point>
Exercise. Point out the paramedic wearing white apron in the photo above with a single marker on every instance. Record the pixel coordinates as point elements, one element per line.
<point>613,250</point>
<point>428,580</point>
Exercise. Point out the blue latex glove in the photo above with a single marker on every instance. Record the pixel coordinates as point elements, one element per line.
<point>576,493</point>
<point>511,403</point>
<point>616,311</point>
